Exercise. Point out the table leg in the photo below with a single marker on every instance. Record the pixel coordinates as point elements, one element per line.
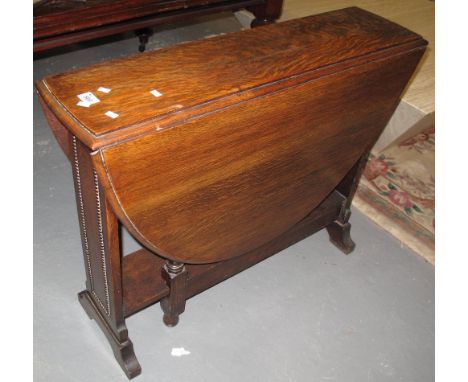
<point>102,299</point>
<point>339,230</point>
<point>175,275</point>
<point>143,36</point>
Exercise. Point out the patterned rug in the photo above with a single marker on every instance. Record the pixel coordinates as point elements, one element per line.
<point>397,192</point>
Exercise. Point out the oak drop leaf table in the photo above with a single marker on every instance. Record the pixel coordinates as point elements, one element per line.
<point>218,153</point>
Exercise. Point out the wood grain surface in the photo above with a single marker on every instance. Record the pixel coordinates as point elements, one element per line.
<point>202,74</point>
<point>60,16</point>
<point>59,23</point>
<point>236,149</point>
<point>416,15</point>
<point>221,185</point>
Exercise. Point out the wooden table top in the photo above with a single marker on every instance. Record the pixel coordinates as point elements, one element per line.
<point>154,89</point>
<point>417,15</point>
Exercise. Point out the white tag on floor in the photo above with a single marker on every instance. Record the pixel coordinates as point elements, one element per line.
<point>179,352</point>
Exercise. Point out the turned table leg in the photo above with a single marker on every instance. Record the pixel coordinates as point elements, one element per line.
<point>266,13</point>
<point>175,275</point>
<point>102,299</point>
<point>339,230</point>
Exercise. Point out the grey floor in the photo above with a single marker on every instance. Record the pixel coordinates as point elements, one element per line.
<point>309,313</point>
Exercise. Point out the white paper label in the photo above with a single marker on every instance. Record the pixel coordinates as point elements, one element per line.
<point>104,90</point>
<point>111,114</point>
<point>155,93</point>
<point>87,99</point>
<point>83,104</point>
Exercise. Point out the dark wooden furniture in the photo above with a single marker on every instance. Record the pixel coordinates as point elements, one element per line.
<point>63,22</point>
<point>219,153</point>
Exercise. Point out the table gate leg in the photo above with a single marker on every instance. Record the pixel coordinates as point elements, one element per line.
<point>175,275</point>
